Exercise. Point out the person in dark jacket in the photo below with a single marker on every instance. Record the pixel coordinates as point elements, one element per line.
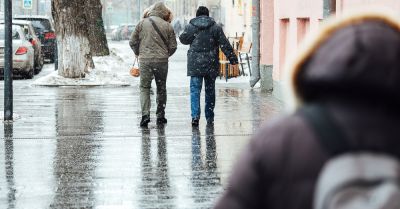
<point>352,69</point>
<point>205,38</point>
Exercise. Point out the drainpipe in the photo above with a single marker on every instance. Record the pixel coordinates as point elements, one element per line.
<point>255,75</point>
<point>329,8</point>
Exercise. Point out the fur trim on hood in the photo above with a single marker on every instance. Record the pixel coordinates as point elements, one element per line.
<point>159,9</point>
<point>312,44</point>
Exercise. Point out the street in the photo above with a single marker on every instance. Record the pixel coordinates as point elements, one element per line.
<point>82,147</point>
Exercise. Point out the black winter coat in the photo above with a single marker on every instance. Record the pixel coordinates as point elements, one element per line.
<point>205,38</point>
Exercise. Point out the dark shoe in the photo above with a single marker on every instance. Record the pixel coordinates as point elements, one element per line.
<point>161,121</point>
<point>145,121</point>
<point>195,122</point>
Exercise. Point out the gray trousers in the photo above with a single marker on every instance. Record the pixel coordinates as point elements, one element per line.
<point>148,71</point>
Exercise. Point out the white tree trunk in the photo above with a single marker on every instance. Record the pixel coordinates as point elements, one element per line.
<point>74,57</point>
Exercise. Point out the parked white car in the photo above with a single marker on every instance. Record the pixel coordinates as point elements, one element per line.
<point>30,34</point>
<point>23,53</point>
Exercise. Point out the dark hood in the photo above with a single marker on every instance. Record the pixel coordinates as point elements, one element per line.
<point>354,59</point>
<point>202,22</point>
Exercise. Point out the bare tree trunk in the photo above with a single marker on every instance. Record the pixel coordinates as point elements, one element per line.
<point>95,26</point>
<point>74,57</point>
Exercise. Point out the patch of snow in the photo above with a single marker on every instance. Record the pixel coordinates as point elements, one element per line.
<point>242,82</point>
<point>112,70</point>
<point>15,117</point>
<point>239,79</point>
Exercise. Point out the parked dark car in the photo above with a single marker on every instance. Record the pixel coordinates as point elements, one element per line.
<point>45,31</point>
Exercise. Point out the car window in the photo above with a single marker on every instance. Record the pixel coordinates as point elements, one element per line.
<point>40,25</point>
<point>15,34</point>
<point>26,30</point>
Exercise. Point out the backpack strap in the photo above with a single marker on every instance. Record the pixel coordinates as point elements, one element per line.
<point>329,134</point>
<point>158,31</point>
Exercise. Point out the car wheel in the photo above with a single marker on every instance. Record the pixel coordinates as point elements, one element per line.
<point>39,65</point>
<point>30,74</point>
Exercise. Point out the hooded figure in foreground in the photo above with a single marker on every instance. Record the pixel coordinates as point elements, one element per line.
<point>154,49</point>
<point>353,70</point>
<point>205,37</point>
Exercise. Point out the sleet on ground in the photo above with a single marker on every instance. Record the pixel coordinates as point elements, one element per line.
<point>82,147</point>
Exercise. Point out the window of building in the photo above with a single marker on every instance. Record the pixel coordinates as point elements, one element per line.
<point>303,27</point>
<point>284,39</point>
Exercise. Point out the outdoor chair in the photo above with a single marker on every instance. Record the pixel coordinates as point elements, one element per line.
<point>226,69</point>
<point>244,55</point>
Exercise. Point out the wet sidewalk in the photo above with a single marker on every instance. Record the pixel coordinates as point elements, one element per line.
<point>77,147</point>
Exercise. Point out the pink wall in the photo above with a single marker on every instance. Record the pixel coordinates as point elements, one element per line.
<point>345,5</point>
<point>293,20</point>
<point>267,32</point>
<point>285,23</point>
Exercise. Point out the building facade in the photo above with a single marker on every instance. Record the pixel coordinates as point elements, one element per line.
<point>183,10</point>
<point>346,5</point>
<point>39,7</point>
<point>285,23</point>
<point>236,18</point>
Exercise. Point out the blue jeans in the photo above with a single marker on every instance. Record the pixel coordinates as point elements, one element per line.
<point>196,83</point>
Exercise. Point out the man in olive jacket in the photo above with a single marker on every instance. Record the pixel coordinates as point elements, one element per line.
<point>153,54</point>
<point>205,37</point>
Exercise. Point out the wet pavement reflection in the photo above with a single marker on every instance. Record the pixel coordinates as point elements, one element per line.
<point>82,147</point>
<point>155,186</point>
<point>9,165</point>
<point>75,159</point>
<point>206,183</point>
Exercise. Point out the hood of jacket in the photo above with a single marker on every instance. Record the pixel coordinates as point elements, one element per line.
<point>159,10</point>
<point>202,22</point>
<point>353,57</point>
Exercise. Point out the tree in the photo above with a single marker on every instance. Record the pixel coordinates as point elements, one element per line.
<point>79,36</point>
<point>97,34</point>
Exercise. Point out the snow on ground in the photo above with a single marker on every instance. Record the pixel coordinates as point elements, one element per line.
<point>112,70</point>
<point>15,117</point>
